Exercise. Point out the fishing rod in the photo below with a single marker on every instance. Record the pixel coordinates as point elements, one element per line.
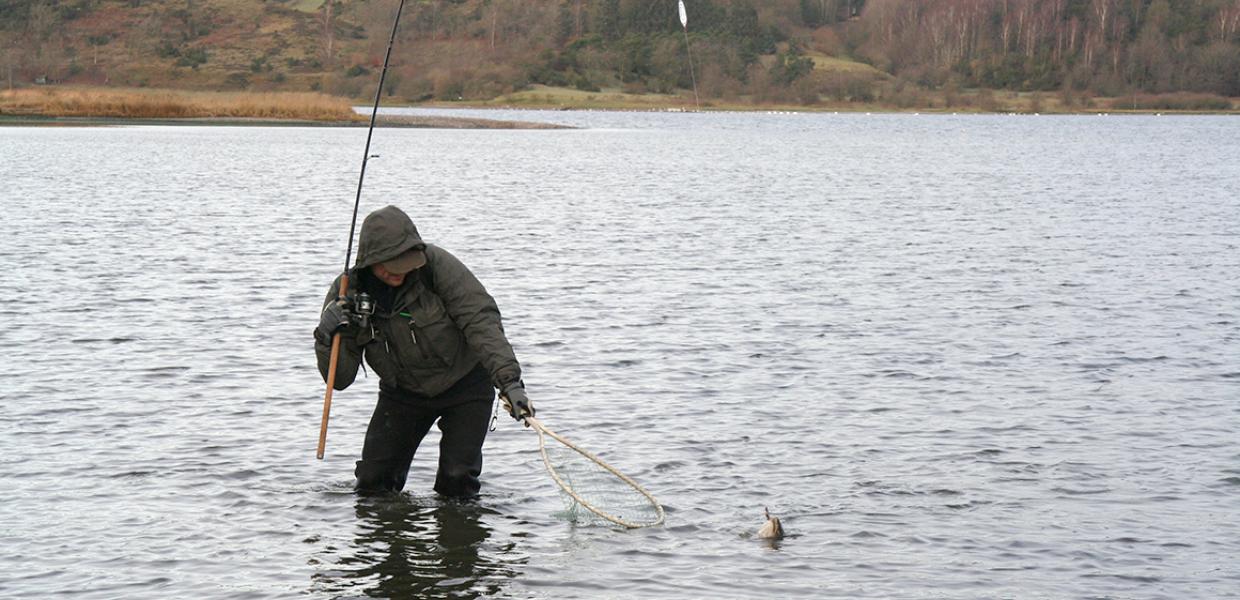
<point>348,254</point>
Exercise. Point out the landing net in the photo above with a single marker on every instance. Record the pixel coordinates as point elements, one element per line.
<point>592,490</point>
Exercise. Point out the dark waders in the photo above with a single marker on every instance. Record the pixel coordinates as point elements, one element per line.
<point>401,420</point>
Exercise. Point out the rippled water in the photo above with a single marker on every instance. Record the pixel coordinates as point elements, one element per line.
<point>961,357</point>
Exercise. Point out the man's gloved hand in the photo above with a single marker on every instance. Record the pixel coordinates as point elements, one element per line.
<point>336,316</point>
<point>516,402</point>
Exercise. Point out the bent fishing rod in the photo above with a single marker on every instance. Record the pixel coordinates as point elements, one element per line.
<point>348,254</point>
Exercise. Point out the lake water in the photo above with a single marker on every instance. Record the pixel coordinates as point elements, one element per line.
<point>959,356</point>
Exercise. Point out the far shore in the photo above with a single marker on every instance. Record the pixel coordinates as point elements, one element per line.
<point>390,121</point>
<point>81,106</point>
<point>978,101</point>
<point>50,106</point>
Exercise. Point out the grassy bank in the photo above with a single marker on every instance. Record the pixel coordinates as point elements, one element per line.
<point>173,104</point>
<point>76,106</point>
<point>897,100</point>
<point>37,105</point>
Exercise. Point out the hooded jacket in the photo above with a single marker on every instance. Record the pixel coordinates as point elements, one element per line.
<point>427,334</point>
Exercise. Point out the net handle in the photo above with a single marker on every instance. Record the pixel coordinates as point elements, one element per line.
<point>544,432</point>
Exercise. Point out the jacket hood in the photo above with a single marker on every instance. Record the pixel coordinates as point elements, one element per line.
<point>386,234</point>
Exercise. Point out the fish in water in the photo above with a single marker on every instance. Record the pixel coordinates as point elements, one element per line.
<point>772,529</point>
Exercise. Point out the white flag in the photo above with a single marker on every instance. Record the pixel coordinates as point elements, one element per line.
<point>684,16</point>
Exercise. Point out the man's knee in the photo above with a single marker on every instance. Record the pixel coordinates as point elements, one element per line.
<point>458,480</point>
<point>375,476</point>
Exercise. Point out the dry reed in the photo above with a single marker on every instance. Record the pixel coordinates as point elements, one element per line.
<point>173,104</point>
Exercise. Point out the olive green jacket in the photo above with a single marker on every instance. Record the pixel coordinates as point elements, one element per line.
<point>441,325</point>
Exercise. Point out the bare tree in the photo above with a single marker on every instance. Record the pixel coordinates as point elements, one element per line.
<point>1005,28</point>
<point>1228,21</point>
<point>1118,26</point>
<point>329,32</point>
<point>494,17</point>
<point>1102,11</point>
<point>10,56</point>
<point>42,20</point>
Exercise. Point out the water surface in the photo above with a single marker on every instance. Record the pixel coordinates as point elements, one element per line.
<point>960,356</point>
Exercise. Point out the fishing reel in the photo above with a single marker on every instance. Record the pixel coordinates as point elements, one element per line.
<point>364,308</point>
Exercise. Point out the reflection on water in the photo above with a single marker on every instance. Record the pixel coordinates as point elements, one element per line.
<point>409,547</point>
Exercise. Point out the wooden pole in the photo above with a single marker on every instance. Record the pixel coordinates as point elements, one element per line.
<point>331,377</point>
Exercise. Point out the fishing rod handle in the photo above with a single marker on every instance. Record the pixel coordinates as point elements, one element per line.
<point>331,377</point>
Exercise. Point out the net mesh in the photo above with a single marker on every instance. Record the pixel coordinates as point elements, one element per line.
<point>598,487</point>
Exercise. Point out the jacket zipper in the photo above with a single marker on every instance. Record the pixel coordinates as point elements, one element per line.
<point>413,334</point>
<point>393,356</point>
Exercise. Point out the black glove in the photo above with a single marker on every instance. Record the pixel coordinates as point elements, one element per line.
<point>516,402</point>
<point>336,316</point>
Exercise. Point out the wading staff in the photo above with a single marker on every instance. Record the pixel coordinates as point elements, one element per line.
<point>348,253</point>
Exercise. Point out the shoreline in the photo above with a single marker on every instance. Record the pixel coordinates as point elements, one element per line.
<point>94,106</point>
<point>102,106</point>
<point>845,108</point>
<point>452,122</point>
<point>972,101</point>
<point>388,121</point>
<point>817,110</point>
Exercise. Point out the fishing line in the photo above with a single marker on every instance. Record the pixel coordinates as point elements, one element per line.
<point>684,24</point>
<point>370,133</point>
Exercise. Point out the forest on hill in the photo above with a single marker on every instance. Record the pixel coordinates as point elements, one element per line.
<point>1185,53</point>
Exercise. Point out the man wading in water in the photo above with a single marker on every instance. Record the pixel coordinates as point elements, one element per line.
<point>436,342</point>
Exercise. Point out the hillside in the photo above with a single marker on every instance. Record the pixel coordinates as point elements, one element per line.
<point>933,53</point>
